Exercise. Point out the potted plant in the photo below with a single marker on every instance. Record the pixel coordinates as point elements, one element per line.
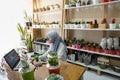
<point>103,24</point>
<point>99,48</point>
<point>70,43</point>
<point>91,25</point>
<point>112,25</point>
<point>112,50</point>
<point>29,43</point>
<point>78,45</point>
<point>89,46</point>
<point>76,25</point>
<point>84,45</point>
<point>22,34</point>
<point>110,0</point>
<point>37,61</point>
<point>78,3</point>
<point>74,42</point>
<point>27,70</point>
<point>83,25</point>
<point>106,50</point>
<point>28,20</point>
<point>95,1</point>
<point>53,63</point>
<point>95,24</point>
<point>94,47</point>
<point>103,1</point>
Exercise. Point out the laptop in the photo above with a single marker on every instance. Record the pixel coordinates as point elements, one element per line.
<point>13,60</point>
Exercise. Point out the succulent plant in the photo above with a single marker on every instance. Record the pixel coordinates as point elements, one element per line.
<point>113,20</point>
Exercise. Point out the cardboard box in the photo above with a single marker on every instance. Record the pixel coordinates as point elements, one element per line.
<point>115,62</point>
<point>102,26</point>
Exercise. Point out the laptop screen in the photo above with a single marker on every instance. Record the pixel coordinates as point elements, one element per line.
<point>12,58</point>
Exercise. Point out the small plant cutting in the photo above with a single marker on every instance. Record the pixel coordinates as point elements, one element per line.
<point>112,25</point>
<point>27,70</point>
<point>53,63</point>
<point>103,24</point>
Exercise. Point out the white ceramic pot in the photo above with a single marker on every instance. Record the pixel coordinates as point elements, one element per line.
<point>57,25</point>
<point>116,46</point>
<point>50,26</point>
<point>83,26</point>
<point>103,45</point>
<point>109,40</point>
<point>116,40</point>
<point>76,26</point>
<point>112,26</point>
<point>71,25</point>
<point>66,6</point>
<point>77,4</point>
<point>95,1</point>
<point>104,40</point>
<point>87,25</point>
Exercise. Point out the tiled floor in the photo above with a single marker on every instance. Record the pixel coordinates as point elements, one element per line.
<point>91,75</point>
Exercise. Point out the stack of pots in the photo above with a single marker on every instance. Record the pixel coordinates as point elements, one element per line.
<point>106,43</point>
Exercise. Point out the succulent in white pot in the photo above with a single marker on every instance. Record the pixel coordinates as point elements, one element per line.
<point>27,70</point>
<point>37,61</point>
<point>53,64</point>
<point>112,25</point>
<point>78,3</point>
<point>83,25</point>
<point>95,1</point>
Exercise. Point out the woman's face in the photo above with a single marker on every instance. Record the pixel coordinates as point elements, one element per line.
<point>50,40</point>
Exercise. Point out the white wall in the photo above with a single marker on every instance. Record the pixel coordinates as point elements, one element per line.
<point>11,12</point>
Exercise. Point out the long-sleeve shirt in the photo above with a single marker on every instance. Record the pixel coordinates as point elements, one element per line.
<point>61,52</point>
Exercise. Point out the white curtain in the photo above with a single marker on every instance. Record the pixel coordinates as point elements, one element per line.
<point>11,12</point>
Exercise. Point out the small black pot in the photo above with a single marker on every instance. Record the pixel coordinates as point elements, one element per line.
<point>28,24</point>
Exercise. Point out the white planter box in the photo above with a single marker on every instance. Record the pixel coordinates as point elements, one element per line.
<point>112,26</point>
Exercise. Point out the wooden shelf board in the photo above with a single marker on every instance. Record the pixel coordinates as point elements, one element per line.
<point>108,70</point>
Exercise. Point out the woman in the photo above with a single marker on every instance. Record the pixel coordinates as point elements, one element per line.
<point>57,45</point>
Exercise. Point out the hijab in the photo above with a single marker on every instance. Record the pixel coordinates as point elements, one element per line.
<point>54,36</point>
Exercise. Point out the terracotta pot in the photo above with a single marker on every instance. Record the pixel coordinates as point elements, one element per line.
<point>93,49</point>
<point>100,50</point>
<point>118,53</point>
<point>53,69</point>
<point>89,48</point>
<point>103,1</point>
<point>78,46</point>
<point>84,47</point>
<point>70,44</point>
<point>106,51</point>
<point>111,0</point>
<point>112,52</point>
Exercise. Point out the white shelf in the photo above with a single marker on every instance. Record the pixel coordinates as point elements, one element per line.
<point>92,5</point>
<point>108,70</point>
<point>41,43</point>
<point>94,29</point>
<point>44,28</point>
<point>116,56</point>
